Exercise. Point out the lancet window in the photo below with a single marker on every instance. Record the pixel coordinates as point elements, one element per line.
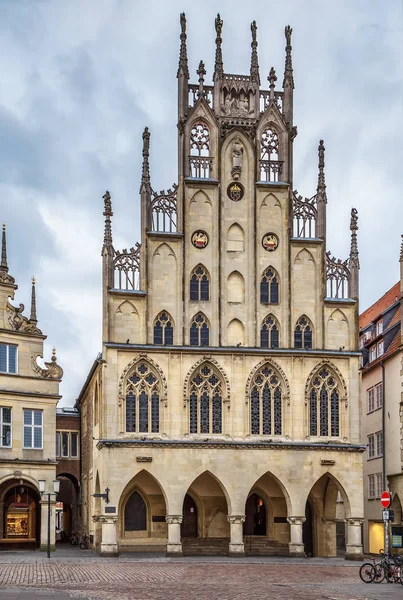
<point>324,402</point>
<point>266,402</point>
<point>143,392</point>
<point>270,165</point>
<point>200,162</point>
<point>205,400</point>
<point>303,333</point>
<point>199,331</point>
<point>269,333</point>
<point>163,330</point>
<point>269,288</point>
<point>199,284</point>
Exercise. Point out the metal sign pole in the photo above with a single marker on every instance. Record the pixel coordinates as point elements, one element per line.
<point>386,523</point>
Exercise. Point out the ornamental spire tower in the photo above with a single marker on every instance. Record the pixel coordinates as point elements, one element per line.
<point>354,262</point>
<point>33,318</point>
<point>4,275</point>
<point>254,63</point>
<point>288,81</point>
<point>183,72</point>
<point>321,197</point>
<point>218,65</point>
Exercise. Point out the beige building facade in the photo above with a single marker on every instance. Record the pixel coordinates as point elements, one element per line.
<point>222,415</point>
<point>382,415</point>
<point>28,398</point>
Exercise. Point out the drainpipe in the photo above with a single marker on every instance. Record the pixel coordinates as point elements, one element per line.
<point>383,428</point>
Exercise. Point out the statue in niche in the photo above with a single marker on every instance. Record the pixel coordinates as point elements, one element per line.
<point>243,109</point>
<point>237,153</point>
<point>228,105</point>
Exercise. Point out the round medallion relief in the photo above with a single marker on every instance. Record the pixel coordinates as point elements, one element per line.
<point>270,242</point>
<point>200,239</point>
<point>235,191</point>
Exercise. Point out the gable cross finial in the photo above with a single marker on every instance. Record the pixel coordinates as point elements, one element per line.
<point>108,228</point>
<point>254,64</point>
<point>201,71</point>
<point>183,55</point>
<point>272,80</point>
<point>288,71</point>
<point>33,318</point>
<point>321,189</point>
<point>354,260</point>
<point>4,276</point>
<point>219,65</point>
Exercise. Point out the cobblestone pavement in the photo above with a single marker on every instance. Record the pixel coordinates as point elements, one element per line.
<point>111,579</point>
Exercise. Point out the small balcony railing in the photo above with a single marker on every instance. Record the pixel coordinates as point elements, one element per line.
<point>200,167</point>
<point>271,170</point>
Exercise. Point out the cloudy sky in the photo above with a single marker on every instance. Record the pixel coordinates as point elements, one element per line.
<point>79,80</point>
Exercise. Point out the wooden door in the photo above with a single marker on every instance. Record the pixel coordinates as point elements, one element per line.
<point>189,523</point>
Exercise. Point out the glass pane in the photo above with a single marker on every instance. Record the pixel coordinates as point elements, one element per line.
<point>57,443</point>
<point>217,411</point>
<point>130,413</point>
<point>194,288</point>
<point>298,338</point>
<point>264,337</point>
<point>6,415</point>
<point>6,435</point>
<point>313,414</point>
<point>274,337</point>
<point>27,417</point>
<point>155,413</point>
<point>37,437</point>
<point>334,417</point>
<point>204,289</point>
<point>307,337</point>
<point>274,291</point>
<point>37,417</point>
<point>205,413</point>
<point>194,335</point>
<point>277,412</point>
<point>74,445</point>
<point>324,412</point>
<point>65,443</point>
<point>169,335</point>
<point>193,413</point>
<point>204,335</point>
<point>266,410</point>
<point>27,437</point>
<point>12,359</point>
<point>143,412</point>
<point>158,333</point>
<point>254,411</point>
<point>264,292</point>
<point>3,358</point>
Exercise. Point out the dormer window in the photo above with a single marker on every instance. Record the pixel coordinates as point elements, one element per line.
<point>372,354</point>
<point>379,327</point>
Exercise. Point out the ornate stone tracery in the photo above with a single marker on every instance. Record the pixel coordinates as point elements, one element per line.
<point>208,360</point>
<point>328,365</point>
<point>157,369</point>
<point>277,368</point>
<point>304,216</point>
<point>164,211</point>
<point>127,268</point>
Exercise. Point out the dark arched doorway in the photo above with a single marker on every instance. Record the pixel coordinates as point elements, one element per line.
<point>256,517</point>
<point>21,517</point>
<point>189,522</point>
<point>307,530</point>
<point>135,513</point>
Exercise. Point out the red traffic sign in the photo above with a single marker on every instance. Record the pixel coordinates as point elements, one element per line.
<point>386,499</point>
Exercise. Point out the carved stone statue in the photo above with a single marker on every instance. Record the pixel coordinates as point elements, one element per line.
<point>237,152</point>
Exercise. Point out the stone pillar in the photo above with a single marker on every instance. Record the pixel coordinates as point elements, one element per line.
<point>353,537</point>
<point>296,545</point>
<point>44,523</point>
<point>109,543</point>
<point>174,545</point>
<point>236,545</point>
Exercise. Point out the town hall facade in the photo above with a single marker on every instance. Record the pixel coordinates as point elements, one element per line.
<point>222,415</point>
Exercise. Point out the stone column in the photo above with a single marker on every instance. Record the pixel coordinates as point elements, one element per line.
<point>174,545</point>
<point>353,537</point>
<point>236,545</point>
<point>296,545</point>
<point>44,523</point>
<point>109,543</point>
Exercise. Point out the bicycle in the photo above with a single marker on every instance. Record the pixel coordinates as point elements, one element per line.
<point>85,542</point>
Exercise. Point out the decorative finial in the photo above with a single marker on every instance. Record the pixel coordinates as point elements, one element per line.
<point>401,251</point>
<point>108,228</point>
<point>321,189</point>
<point>183,56</point>
<point>54,358</point>
<point>145,177</point>
<point>201,71</point>
<point>288,71</point>
<point>4,276</point>
<point>272,80</point>
<point>33,318</point>
<point>254,64</point>
<point>219,65</point>
<point>354,261</point>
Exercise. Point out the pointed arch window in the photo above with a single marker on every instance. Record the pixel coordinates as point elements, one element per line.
<point>303,333</point>
<point>205,400</point>
<point>324,402</point>
<point>200,162</point>
<point>143,392</point>
<point>270,165</point>
<point>199,284</point>
<point>269,288</point>
<point>199,331</point>
<point>266,402</point>
<point>163,330</point>
<point>269,333</point>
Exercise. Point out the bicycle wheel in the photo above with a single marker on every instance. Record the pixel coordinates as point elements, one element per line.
<point>379,573</point>
<point>367,573</point>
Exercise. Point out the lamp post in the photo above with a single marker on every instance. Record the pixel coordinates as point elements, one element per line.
<point>56,488</point>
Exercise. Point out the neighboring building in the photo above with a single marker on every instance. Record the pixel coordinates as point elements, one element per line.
<point>224,412</point>
<point>68,467</point>
<point>382,413</point>
<point>28,398</point>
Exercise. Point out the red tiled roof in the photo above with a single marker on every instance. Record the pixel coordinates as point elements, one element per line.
<point>374,311</point>
<point>395,319</point>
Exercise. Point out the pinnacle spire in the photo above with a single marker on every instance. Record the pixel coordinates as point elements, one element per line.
<point>145,175</point>
<point>354,260</point>
<point>219,65</point>
<point>33,318</point>
<point>201,71</point>
<point>288,72</point>
<point>183,55</point>
<point>4,275</point>
<point>108,228</point>
<point>254,64</point>
<point>321,189</point>
<point>272,81</point>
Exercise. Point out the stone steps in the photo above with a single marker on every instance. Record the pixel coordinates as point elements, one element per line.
<point>254,546</point>
<point>261,545</point>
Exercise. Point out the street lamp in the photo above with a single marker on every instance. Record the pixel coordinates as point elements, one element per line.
<point>56,488</point>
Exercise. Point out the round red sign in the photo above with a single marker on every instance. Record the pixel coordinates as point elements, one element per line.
<point>386,500</point>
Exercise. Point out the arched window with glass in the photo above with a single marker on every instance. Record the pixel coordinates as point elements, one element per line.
<point>266,402</point>
<point>142,395</point>
<point>199,284</point>
<point>205,400</point>
<point>269,287</point>
<point>199,331</point>
<point>269,333</point>
<point>324,403</point>
<point>270,165</point>
<point>200,162</point>
<point>303,333</point>
<point>163,329</point>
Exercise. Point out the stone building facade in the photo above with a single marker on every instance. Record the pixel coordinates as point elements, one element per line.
<point>223,413</point>
<point>68,468</point>
<point>382,414</point>
<point>28,398</point>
